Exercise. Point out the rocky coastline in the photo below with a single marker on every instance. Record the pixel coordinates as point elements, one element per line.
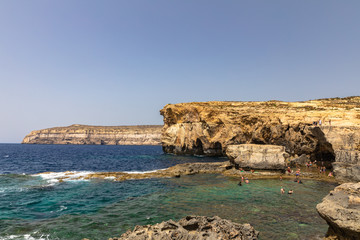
<point>194,228</point>
<point>261,139</point>
<point>326,131</point>
<point>97,135</point>
<point>273,135</point>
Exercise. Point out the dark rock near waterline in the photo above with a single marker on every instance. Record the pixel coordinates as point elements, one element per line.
<point>341,210</point>
<point>192,228</point>
<point>299,161</point>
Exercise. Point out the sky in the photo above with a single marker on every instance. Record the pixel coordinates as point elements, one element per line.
<point>118,62</point>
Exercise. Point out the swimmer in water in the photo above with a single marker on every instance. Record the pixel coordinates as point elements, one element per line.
<point>246,180</point>
<point>290,192</point>
<point>282,190</point>
<point>240,183</point>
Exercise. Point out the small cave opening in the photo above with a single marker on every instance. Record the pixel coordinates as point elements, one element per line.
<point>324,153</point>
<point>217,149</point>
<point>198,147</point>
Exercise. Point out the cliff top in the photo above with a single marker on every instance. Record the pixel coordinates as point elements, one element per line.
<point>340,111</point>
<point>78,128</point>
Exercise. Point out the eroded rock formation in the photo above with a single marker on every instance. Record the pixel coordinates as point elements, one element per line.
<point>341,210</point>
<point>84,134</point>
<point>192,228</point>
<point>208,128</point>
<point>256,156</point>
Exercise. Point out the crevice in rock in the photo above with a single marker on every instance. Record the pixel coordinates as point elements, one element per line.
<point>198,147</point>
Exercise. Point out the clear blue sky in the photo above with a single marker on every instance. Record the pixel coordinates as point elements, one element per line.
<point>118,62</point>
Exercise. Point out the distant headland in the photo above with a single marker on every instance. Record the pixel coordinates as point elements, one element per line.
<point>99,135</point>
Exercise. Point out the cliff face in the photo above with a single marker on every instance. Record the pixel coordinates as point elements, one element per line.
<point>207,128</point>
<point>84,134</point>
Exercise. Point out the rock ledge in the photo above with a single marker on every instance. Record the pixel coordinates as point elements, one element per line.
<point>192,227</point>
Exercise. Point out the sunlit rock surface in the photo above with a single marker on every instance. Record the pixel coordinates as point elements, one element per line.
<point>341,210</point>
<point>193,228</point>
<point>103,135</point>
<point>256,156</point>
<point>208,128</point>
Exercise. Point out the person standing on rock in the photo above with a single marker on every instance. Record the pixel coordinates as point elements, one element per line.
<point>320,122</point>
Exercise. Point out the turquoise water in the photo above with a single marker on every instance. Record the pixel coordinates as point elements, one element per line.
<point>33,207</point>
<point>101,209</point>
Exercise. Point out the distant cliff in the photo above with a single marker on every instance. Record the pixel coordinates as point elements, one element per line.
<point>102,135</point>
<point>208,128</point>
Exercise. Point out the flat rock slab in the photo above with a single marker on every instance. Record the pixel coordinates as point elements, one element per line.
<point>192,228</point>
<point>256,156</point>
<point>341,210</point>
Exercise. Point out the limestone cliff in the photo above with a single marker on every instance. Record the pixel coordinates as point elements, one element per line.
<point>207,128</point>
<point>84,134</point>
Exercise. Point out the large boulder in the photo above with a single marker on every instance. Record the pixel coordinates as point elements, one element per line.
<point>255,156</point>
<point>341,210</point>
<point>192,228</point>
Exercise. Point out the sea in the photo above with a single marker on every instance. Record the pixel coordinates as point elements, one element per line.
<point>35,205</point>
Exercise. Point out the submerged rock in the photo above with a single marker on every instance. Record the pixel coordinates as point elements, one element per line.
<point>341,210</point>
<point>192,228</point>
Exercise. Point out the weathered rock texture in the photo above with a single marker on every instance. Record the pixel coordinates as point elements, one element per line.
<point>208,128</point>
<point>341,210</point>
<point>84,134</point>
<point>192,228</point>
<point>255,156</point>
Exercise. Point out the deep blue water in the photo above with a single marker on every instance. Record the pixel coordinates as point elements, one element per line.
<point>33,207</point>
<point>30,159</point>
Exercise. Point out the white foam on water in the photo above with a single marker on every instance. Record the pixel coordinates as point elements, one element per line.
<point>25,237</point>
<point>12,189</point>
<point>54,177</point>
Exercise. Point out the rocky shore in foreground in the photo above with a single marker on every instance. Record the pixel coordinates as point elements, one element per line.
<point>341,210</point>
<point>192,228</point>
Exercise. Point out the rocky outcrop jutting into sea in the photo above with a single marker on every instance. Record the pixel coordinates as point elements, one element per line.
<point>341,210</point>
<point>102,135</point>
<point>208,128</point>
<point>194,228</point>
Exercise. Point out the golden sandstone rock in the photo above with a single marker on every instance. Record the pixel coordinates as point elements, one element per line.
<point>102,135</point>
<point>325,130</point>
